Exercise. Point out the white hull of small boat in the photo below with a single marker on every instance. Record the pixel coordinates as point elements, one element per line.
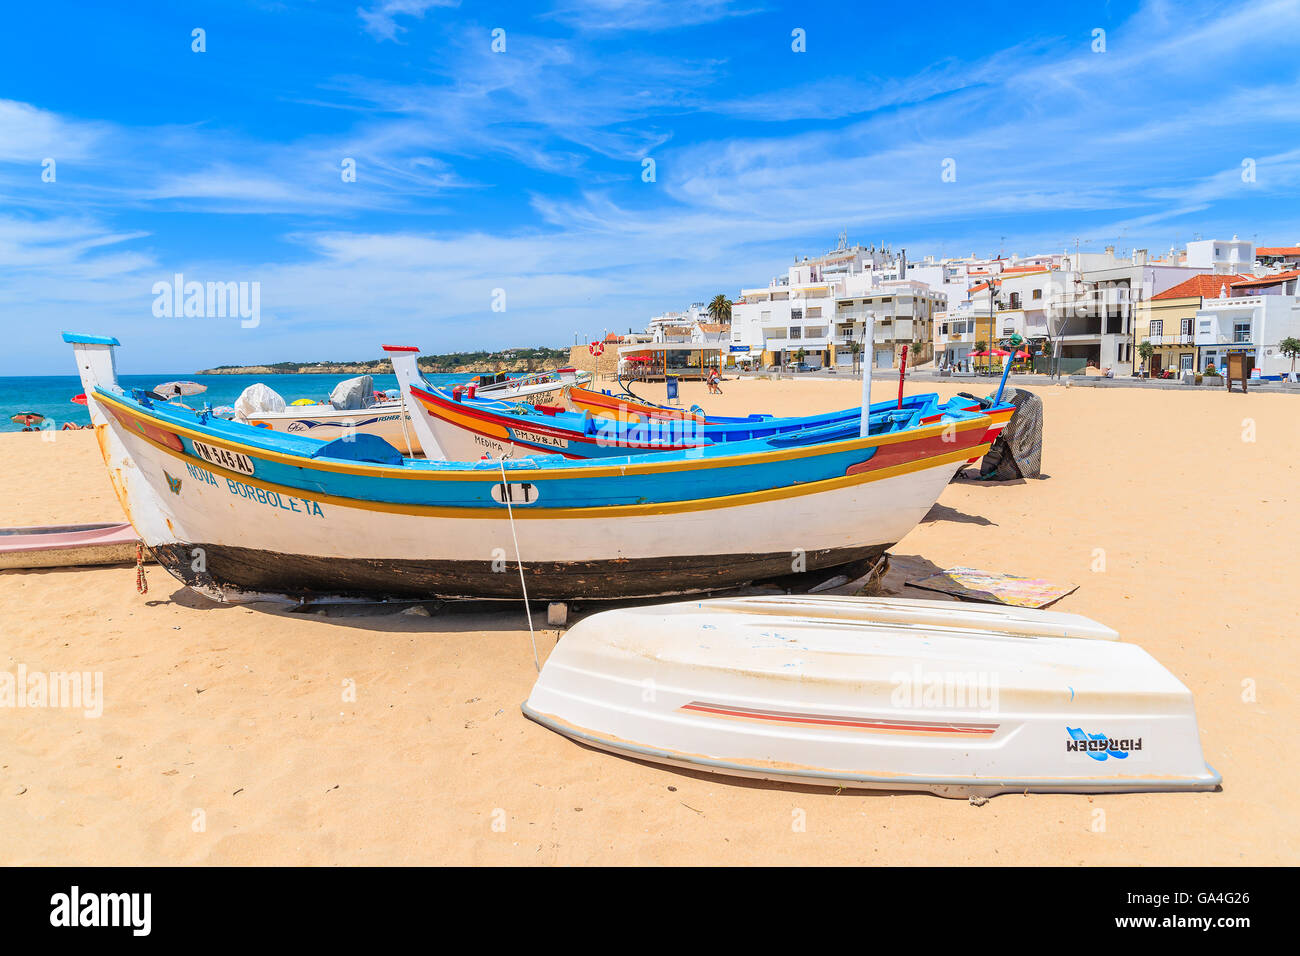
<point>392,422</point>
<point>954,699</point>
<point>63,546</point>
<point>545,388</point>
<point>386,420</point>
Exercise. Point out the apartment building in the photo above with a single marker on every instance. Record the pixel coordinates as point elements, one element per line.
<point>904,313</point>
<point>1168,320</point>
<point>1226,257</point>
<point>1252,319</point>
<point>795,316</point>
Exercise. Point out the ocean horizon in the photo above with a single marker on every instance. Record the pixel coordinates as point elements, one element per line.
<point>51,395</point>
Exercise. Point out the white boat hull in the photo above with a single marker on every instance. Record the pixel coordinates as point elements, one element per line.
<point>304,543</point>
<point>857,692</point>
<point>386,420</point>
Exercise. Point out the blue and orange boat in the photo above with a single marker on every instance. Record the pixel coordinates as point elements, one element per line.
<point>461,427</point>
<point>243,513</point>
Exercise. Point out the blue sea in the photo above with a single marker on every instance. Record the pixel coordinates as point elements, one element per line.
<point>51,395</point>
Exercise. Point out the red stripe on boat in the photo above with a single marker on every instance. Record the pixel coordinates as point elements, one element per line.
<point>828,720</point>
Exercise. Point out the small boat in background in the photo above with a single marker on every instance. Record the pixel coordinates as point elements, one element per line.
<point>541,388</point>
<point>355,408</point>
<point>958,700</point>
<point>72,545</point>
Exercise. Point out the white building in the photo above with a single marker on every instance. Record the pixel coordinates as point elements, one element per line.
<point>1219,255</point>
<point>1252,319</point>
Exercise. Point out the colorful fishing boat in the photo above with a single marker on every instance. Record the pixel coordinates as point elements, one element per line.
<point>625,406</point>
<point>463,427</point>
<point>959,700</point>
<point>366,412</point>
<point>243,513</point>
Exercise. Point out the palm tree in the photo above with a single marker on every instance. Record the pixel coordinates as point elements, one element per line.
<point>855,349</point>
<point>720,308</point>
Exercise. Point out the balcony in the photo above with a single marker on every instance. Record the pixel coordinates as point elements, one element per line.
<point>776,345</point>
<point>1161,338</point>
<point>1222,338</point>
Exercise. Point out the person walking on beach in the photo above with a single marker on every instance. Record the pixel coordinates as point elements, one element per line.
<point>713,379</point>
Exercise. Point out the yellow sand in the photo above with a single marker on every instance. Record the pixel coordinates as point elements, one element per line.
<point>235,717</point>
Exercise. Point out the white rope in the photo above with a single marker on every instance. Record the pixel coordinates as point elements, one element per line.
<point>505,493</point>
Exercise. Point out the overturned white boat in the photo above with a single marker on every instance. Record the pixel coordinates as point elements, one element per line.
<point>955,699</point>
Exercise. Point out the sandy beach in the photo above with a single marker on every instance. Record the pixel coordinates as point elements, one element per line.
<point>228,735</point>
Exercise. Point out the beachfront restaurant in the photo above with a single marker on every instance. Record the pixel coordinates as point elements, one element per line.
<point>656,361</point>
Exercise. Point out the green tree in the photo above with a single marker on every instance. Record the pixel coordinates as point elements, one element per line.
<point>1290,347</point>
<point>1145,351</point>
<point>720,308</point>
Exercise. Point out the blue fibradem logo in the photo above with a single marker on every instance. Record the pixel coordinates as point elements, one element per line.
<point>1099,746</point>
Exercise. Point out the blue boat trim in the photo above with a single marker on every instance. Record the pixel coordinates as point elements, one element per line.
<point>76,338</point>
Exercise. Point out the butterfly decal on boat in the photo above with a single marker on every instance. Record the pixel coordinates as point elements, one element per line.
<point>173,483</point>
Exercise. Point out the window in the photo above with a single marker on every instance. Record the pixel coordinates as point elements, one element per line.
<point>1157,328</point>
<point>815,312</point>
<point>765,316</point>
<point>796,332</point>
<point>796,314</point>
<point>1241,331</point>
<point>1038,293</point>
<point>1008,330</point>
<point>1015,300</point>
<point>1185,327</point>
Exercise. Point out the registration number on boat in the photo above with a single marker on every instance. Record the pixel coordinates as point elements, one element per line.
<point>537,438</point>
<point>224,458</point>
<point>515,493</point>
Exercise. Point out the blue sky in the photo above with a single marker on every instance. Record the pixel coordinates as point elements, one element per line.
<point>522,170</point>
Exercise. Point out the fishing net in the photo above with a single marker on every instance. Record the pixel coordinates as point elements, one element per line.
<point>1018,451</point>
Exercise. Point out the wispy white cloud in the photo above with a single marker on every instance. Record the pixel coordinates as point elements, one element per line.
<point>647,14</point>
<point>380,19</point>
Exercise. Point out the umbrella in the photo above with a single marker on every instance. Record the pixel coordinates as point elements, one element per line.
<point>79,399</point>
<point>1022,354</point>
<point>304,401</point>
<point>28,418</point>
<point>979,354</point>
<point>1000,353</point>
<point>177,389</point>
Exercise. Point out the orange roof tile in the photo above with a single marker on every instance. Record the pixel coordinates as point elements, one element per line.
<point>1278,251</point>
<point>1247,281</point>
<point>1206,285</point>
